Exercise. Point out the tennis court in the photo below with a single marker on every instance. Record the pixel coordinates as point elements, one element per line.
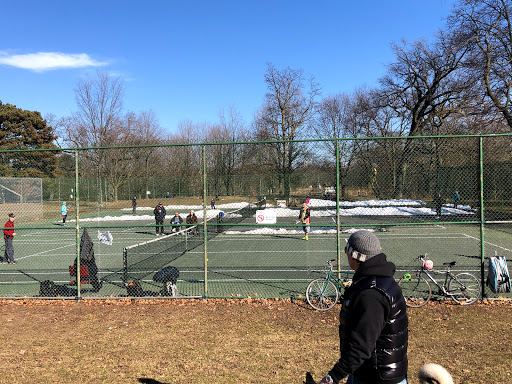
<point>243,259</point>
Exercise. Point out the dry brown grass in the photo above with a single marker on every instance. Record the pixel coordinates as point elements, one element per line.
<point>228,341</point>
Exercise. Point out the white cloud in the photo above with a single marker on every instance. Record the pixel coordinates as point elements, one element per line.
<point>46,61</point>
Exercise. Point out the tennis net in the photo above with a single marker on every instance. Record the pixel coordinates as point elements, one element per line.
<point>140,260</point>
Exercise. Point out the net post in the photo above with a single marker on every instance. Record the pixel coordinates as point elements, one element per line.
<point>125,265</point>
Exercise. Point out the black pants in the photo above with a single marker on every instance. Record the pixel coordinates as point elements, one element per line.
<point>9,250</point>
<point>160,226</point>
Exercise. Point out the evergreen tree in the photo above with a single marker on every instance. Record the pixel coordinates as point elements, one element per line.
<point>25,130</point>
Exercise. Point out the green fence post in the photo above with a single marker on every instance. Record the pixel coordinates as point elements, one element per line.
<point>205,227</point>
<point>338,232</point>
<point>77,229</point>
<point>482,217</point>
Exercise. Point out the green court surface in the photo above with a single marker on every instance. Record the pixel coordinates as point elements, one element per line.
<point>248,260</point>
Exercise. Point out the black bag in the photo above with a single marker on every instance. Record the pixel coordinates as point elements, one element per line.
<point>134,289</point>
<point>167,274</point>
<point>48,289</point>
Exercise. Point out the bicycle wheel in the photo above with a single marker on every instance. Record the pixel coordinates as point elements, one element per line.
<point>416,289</point>
<point>322,294</point>
<point>464,288</point>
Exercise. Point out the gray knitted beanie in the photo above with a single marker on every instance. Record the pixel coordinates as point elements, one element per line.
<point>363,245</point>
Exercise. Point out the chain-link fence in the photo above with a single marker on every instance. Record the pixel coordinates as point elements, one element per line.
<point>232,223</point>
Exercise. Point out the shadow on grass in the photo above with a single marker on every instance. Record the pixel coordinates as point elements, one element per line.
<point>145,380</point>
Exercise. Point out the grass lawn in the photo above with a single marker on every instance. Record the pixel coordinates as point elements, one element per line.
<point>229,341</point>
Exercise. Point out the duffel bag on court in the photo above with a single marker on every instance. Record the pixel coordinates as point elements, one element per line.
<point>498,278</point>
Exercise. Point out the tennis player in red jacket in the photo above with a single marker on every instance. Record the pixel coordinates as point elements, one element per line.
<point>8,236</point>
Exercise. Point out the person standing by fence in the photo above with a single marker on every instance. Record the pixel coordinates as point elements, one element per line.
<point>64,212</point>
<point>438,204</point>
<point>455,199</point>
<point>159,212</point>
<point>191,220</point>
<point>8,237</point>
<point>134,205</point>
<point>304,217</point>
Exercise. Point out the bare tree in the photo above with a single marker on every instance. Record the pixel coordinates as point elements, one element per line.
<point>117,163</point>
<point>485,26</point>
<point>100,102</point>
<point>334,122</point>
<point>146,131</point>
<point>123,164</point>
<point>423,85</point>
<point>185,159</point>
<point>99,106</point>
<point>370,119</point>
<point>288,108</point>
<point>228,158</point>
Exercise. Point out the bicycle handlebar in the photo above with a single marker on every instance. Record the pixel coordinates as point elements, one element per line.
<point>330,263</point>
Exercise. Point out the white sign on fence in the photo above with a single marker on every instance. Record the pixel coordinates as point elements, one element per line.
<point>266,216</point>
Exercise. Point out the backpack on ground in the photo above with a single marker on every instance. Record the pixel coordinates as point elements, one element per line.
<point>48,288</point>
<point>498,278</point>
<point>134,289</point>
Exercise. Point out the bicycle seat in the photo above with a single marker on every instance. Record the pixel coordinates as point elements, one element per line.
<point>451,263</point>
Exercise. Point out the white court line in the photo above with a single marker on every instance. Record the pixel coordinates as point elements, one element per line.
<point>491,244</point>
<point>49,250</point>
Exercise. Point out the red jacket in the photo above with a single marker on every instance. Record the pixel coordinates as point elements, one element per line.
<point>9,229</point>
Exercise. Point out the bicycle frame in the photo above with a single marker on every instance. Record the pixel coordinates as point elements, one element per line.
<point>331,277</point>
<point>461,287</point>
<point>323,293</point>
<point>447,274</point>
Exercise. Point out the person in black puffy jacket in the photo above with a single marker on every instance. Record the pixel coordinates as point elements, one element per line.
<point>373,319</point>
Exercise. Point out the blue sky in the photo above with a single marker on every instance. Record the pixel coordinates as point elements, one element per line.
<point>187,60</point>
